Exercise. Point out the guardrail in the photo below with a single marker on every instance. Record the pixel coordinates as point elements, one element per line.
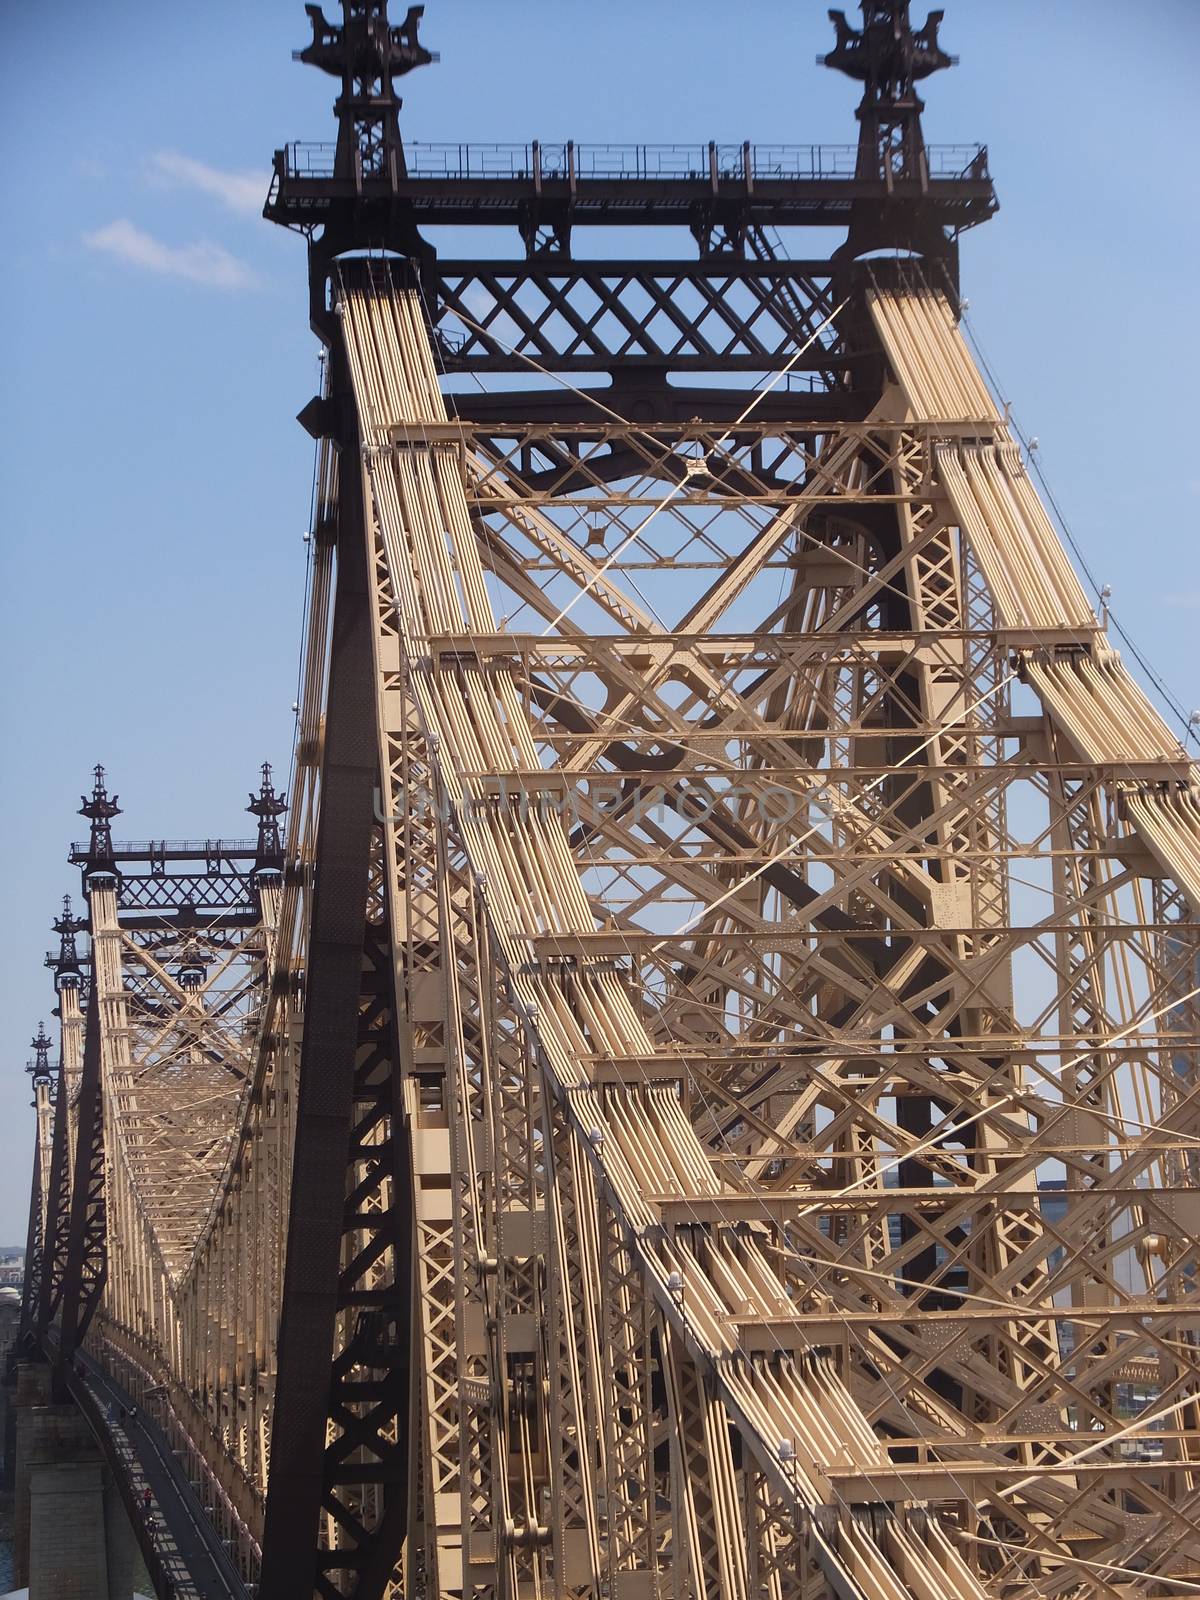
<point>119,1465</point>
<point>125,849</point>
<point>168,1561</point>
<point>616,163</point>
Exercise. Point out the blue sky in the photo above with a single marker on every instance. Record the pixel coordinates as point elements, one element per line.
<point>157,348</point>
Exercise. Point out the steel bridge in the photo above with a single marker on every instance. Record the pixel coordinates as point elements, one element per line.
<point>693,1092</point>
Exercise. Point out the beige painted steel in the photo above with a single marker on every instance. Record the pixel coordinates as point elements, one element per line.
<point>756,964</point>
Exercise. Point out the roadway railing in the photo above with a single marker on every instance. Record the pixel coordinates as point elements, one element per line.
<point>167,1572</point>
<point>223,1490</point>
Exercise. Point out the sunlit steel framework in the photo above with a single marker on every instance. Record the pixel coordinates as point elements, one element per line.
<point>702,1101</point>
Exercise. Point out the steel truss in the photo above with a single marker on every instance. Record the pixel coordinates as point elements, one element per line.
<point>162,1073</point>
<point>702,1102</point>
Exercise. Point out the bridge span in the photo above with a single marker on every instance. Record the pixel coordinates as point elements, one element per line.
<point>690,1091</point>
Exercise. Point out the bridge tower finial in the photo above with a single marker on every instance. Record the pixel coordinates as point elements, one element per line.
<point>39,1067</point>
<point>268,807</point>
<point>66,966</point>
<point>100,810</point>
<point>888,57</point>
<point>368,54</point>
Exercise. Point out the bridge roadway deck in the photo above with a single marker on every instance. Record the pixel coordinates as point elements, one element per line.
<point>191,1555</point>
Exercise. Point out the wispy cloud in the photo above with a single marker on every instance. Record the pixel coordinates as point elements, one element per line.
<point>202,262</point>
<point>243,192</point>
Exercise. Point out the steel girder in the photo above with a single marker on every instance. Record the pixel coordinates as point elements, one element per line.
<point>814,847</point>
<point>725,1124</point>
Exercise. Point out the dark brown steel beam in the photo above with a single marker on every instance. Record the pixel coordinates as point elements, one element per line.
<point>87,1242</point>
<point>327,1072</point>
<point>58,1216</point>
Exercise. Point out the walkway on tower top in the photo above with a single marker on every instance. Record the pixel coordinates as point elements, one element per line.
<point>632,183</point>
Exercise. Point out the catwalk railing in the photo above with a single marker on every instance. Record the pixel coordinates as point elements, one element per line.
<point>566,160</point>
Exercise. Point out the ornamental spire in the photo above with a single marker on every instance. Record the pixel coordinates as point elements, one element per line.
<point>66,966</point>
<point>39,1068</point>
<point>368,54</point>
<point>99,811</point>
<point>889,58</point>
<point>268,807</point>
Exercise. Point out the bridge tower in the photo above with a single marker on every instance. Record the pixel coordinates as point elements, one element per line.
<point>703,1098</point>
<point>507,1432</point>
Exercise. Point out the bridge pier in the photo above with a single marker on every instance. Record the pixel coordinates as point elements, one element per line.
<point>72,1539</point>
